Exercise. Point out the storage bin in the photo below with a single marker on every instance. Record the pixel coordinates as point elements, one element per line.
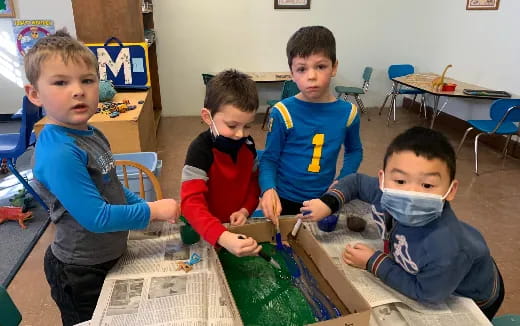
<point>149,160</point>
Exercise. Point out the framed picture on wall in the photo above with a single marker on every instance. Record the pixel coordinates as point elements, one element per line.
<point>7,8</point>
<point>291,4</point>
<point>482,4</point>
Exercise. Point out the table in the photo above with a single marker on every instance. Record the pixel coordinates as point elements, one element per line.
<point>423,82</point>
<point>153,254</point>
<point>130,132</point>
<point>266,77</point>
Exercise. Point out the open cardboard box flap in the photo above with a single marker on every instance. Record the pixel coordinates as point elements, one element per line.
<point>265,231</point>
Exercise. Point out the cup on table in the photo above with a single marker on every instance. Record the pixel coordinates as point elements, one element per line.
<point>328,224</point>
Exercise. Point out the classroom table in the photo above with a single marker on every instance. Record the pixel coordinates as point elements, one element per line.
<point>423,82</point>
<point>266,77</point>
<point>384,310</point>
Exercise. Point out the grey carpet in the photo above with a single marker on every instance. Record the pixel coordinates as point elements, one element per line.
<point>16,243</point>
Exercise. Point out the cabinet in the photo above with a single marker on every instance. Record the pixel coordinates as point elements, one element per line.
<point>98,20</point>
<point>130,131</point>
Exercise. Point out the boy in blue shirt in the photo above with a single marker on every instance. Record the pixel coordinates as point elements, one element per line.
<point>76,172</point>
<point>429,254</point>
<point>306,131</point>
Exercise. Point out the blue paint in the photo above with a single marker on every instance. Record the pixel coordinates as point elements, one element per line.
<point>279,244</point>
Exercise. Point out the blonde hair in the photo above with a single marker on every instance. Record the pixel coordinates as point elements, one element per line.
<point>61,44</point>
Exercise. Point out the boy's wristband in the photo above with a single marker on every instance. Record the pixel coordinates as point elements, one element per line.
<point>330,201</point>
<point>375,261</point>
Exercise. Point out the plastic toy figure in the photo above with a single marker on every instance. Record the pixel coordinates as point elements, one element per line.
<point>14,214</point>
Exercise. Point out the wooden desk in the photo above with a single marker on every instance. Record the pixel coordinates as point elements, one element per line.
<point>269,77</point>
<point>266,77</point>
<point>424,83</point>
<point>132,131</point>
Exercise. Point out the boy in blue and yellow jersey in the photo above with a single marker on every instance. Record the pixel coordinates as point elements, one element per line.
<point>429,253</point>
<point>76,172</point>
<point>306,131</point>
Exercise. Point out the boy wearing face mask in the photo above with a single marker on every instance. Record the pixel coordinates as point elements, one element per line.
<point>429,254</point>
<point>220,175</point>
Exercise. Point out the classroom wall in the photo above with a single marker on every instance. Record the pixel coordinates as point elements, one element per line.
<point>209,36</point>
<point>12,75</point>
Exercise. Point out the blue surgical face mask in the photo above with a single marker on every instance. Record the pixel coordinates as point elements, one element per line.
<point>226,144</point>
<point>413,208</point>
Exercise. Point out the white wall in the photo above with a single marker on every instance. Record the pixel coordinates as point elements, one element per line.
<point>12,75</point>
<point>208,36</point>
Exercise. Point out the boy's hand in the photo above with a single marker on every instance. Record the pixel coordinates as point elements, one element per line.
<point>164,210</point>
<point>314,210</point>
<point>271,205</point>
<point>357,255</point>
<point>239,217</point>
<point>237,246</point>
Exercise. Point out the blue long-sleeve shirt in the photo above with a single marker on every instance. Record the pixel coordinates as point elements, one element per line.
<point>427,263</point>
<point>90,207</point>
<point>303,144</point>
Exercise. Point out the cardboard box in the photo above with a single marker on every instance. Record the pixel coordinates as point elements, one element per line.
<point>345,291</point>
<point>132,131</point>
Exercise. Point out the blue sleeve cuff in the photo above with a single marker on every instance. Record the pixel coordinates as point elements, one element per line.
<point>375,262</point>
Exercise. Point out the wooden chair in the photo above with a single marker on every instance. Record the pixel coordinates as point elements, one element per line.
<point>154,226</point>
<point>142,169</point>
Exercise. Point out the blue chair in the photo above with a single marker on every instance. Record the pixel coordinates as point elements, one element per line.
<point>289,89</point>
<point>344,92</point>
<point>506,320</point>
<point>398,71</point>
<point>9,314</point>
<point>503,114</point>
<point>13,146</point>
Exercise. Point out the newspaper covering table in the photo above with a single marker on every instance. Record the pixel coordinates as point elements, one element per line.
<point>145,287</point>
<point>389,306</point>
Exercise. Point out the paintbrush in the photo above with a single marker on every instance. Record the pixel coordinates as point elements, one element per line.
<point>269,259</point>
<point>296,227</point>
<point>278,235</point>
<point>265,256</point>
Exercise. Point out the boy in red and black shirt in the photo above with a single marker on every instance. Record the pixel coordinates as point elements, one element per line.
<point>220,175</point>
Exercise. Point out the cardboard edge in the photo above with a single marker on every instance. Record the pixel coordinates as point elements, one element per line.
<point>359,307</point>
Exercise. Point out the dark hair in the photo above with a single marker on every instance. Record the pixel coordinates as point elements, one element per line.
<point>231,87</point>
<point>311,40</point>
<point>424,142</point>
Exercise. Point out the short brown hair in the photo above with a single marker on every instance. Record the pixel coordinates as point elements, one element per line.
<point>59,43</point>
<point>231,87</point>
<point>311,40</point>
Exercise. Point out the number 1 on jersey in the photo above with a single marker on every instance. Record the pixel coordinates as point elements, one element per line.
<point>318,140</point>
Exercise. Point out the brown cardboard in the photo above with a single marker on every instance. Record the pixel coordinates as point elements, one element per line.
<point>346,292</point>
<point>132,131</point>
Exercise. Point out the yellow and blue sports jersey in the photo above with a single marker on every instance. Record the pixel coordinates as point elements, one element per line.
<point>302,147</point>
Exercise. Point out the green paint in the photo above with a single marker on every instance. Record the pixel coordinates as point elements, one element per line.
<point>3,4</point>
<point>263,294</point>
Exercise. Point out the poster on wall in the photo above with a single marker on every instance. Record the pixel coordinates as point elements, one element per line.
<point>28,31</point>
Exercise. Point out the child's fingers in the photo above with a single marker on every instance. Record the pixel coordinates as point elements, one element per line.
<point>347,258</point>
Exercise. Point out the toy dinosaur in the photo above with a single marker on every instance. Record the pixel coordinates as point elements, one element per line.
<point>14,214</point>
<point>22,199</point>
<point>438,82</point>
